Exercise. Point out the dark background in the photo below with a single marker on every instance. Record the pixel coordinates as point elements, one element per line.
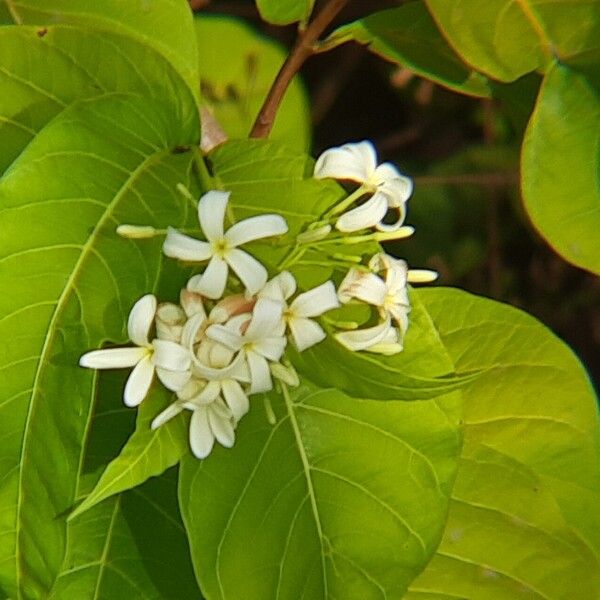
<point>463,154</point>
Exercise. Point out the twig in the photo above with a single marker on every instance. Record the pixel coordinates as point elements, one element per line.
<point>302,50</point>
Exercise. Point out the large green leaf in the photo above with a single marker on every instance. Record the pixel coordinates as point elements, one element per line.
<point>524,519</point>
<point>113,551</point>
<point>162,25</point>
<point>508,38</point>
<point>413,374</point>
<point>146,454</point>
<point>561,161</point>
<point>283,12</point>
<point>132,546</point>
<point>72,280</point>
<point>342,497</point>
<point>73,63</point>
<point>237,68</point>
<point>269,177</point>
<point>409,37</point>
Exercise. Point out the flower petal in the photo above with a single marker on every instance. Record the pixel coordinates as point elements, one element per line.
<point>210,373</point>
<point>226,336</point>
<point>113,358</point>
<point>166,415</point>
<point>192,330</point>
<point>270,347</point>
<point>396,274</point>
<point>316,301</point>
<point>236,398</point>
<point>139,382</point>
<point>191,302</point>
<point>222,427</point>
<point>395,225</point>
<point>393,184</point>
<point>212,282</point>
<point>173,380</point>
<point>170,319</point>
<point>266,317</point>
<point>366,215</point>
<point>367,287</point>
<point>260,374</point>
<point>170,355</point>
<point>251,273</point>
<point>362,339</point>
<point>306,333</point>
<point>208,394</point>
<point>211,214</point>
<point>202,438</point>
<point>355,162</point>
<point>184,247</point>
<point>256,228</point>
<point>279,288</point>
<point>140,320</point>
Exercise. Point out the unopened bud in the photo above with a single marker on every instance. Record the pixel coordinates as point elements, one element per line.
<point>136,232</point>
<point>421,276</point>
<point>284,373</point>
<point>400,233</point>
<point>314,235</point>
<point>170,320</point>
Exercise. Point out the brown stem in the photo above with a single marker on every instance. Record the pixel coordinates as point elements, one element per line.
<point>302,50</point>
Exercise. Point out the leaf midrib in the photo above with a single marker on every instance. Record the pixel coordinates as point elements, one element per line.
<point>62,301</point>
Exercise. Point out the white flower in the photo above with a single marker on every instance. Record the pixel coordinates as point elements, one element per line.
<point>221,248</point>
<point>299,314</point>
<point>260,342</point>
<point>210,419</point>
<point>390,189</point>
<point>170,360</point>
<point>381,338</point>
<point>390,297</point>
<point>224,373</point>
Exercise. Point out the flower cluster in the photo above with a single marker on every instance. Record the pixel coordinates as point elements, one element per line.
<point>225,340</point>
<point>213,349</point>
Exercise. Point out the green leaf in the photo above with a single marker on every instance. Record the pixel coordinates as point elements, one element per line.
<point>284,12</point>
<point>506,39</point>
<point>237,67</point>
<point>561,161</point>
<point>270,177</point>
<point>113,550</point>
<point>146,454</point>
<point>132,546</point>
<point>73,63</point>
<point>164,26</point>
<point>523,519</point>
<point>409,37</point>
<point>414,374</point>
<point>100,163</point>
<point>340,498</point>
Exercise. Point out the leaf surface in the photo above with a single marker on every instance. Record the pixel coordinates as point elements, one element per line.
<point>74,63</point>
<point>284,12</point>
<point>100,163</point>
<point>561,161</point>
<point>508,38</point>
<point>146,454</point>
<point>342,497</point>
<point>162,25</point>
<point>131,546</point>
<point>237,67</point>
<point>408,36</point>
<point>523,518</point>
